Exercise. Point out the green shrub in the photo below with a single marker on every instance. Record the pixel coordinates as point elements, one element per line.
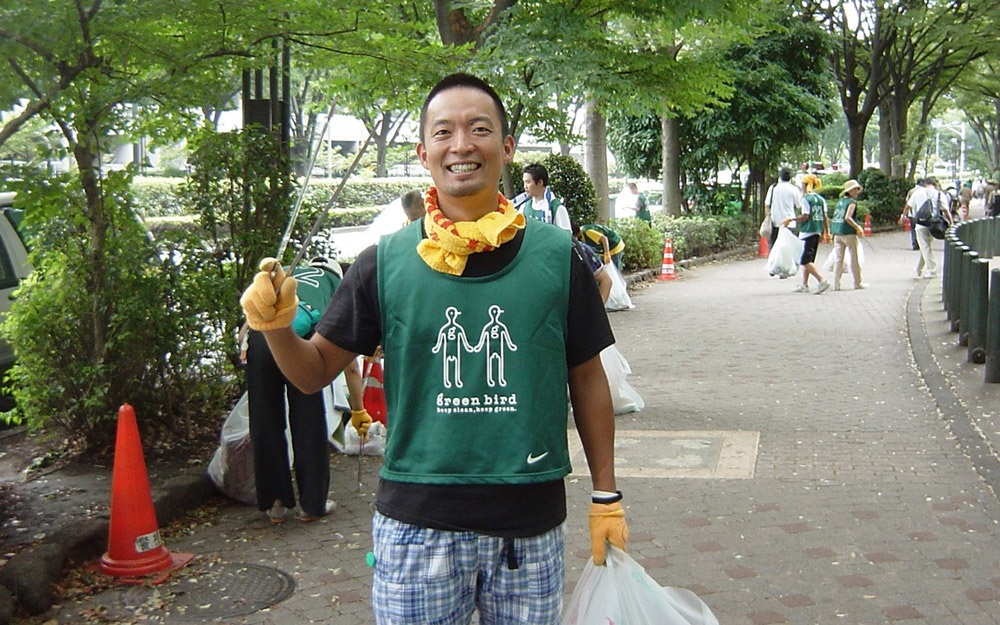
<point>834,180</point>
<point>883,196</point>
<point>693,236</point>
<point>146,345</point>
<point>157,197</point>
<point>643,245</point>
<point>831,194</point>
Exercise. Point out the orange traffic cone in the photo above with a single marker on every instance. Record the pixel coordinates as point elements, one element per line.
<point>374,397</point>
<point>667,270</point>
<point>868,225</point>
<point>763,249</point>
<point>135,548</point>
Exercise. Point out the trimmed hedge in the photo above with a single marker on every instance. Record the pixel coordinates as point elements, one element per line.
<point>160,197</point>
<point>691,236</point>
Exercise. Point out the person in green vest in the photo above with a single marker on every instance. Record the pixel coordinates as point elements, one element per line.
<point>538,201</point>
<point>603,240</point>
<point>268,391</point>
<point>485,318</point>
<point>640,208</point>
<point>812,223</point>
<point>845,231</point>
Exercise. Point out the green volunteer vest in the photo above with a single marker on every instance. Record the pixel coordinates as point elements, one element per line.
<point>813,225</point>
<point>475,368</point>
<point>838,223</point>
<point>530,212</point>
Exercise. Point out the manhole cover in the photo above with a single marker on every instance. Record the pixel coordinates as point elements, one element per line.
<point>219,590</point>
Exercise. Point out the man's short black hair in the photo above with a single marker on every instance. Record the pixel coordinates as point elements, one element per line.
<point>538,173</point>
<point>472,82</point>
<point>413,204</point>
<point>785,174</point>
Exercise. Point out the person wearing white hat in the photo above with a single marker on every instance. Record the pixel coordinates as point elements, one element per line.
<point>845,232</point>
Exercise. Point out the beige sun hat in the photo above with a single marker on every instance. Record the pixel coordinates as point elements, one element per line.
<point>851,185</point>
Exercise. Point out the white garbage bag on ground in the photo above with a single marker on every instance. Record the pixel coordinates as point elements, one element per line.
<point>618,299</point>
<point>624,398</point>
<point>231,467</point>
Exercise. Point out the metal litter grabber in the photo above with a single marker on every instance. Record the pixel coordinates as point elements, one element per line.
<point>369,363</point>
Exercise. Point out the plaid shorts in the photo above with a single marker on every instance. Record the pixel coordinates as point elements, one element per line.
<point>439,577</point>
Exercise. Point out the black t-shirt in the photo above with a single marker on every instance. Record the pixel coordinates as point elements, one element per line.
<point>353,321</point>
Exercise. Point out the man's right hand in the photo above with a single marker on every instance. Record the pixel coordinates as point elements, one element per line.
<point>361,421</point>
<point>270,301</point>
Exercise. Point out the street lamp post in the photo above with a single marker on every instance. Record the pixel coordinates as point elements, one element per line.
<point>958,129</point>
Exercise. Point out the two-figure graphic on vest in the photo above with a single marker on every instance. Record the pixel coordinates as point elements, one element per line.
<point>452,342</point>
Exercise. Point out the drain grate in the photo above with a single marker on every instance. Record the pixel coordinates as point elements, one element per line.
<point>219,590</point>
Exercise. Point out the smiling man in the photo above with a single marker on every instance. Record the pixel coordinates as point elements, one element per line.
<point>484,319</point>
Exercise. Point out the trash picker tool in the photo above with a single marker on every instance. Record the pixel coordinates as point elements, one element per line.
<point>369,362</point>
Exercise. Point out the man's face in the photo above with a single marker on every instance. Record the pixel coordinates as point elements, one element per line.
<point>464,149</point>
<point>532,188</point>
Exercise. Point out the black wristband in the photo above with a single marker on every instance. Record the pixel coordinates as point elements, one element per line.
<point>609,499</point>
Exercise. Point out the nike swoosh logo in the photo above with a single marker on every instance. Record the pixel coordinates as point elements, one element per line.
<point>534,459</point>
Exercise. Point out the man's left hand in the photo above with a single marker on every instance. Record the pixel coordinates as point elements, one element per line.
<point>607,525</point>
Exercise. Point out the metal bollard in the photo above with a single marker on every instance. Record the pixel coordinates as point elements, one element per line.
<point>958,287</point>
<point>994,235</point>
<point>982,239</point>
<point>964,316</point>
<point>951,244</point>
<point>979,285</point>
<point>993,331</point>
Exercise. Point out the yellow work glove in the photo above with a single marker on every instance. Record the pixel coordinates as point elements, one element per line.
<point>607,524</point>
<point>270,301</point>
<point>361,421</point>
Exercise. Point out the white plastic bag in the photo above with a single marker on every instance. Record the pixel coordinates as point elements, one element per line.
<point>831,260</point>
<point>374,446</point>
<point>624,398</point>
<point>765,227</point>
<point>618,299</point>
<point>231,467</point>
<point>622,593</point>
<point>784,258</point>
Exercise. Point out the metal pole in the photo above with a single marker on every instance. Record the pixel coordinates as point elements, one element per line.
<point>993,331</point>
<point>985,245</point>
<point>979,284</point>
<point>958,286</point>
<point>965,320</point>
<point>947,273</point>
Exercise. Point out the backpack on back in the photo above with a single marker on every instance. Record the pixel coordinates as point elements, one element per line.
<point>926,211</point>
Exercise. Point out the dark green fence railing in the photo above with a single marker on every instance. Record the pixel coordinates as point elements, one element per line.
<point>971,292</point>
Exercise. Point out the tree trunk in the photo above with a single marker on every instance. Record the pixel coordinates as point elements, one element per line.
<point>673,201</point>
<point>885,159</point>
<point>381,141</point>
<point>85,153</point>
<point>898,104</point>
<point>856,146</point>
<point>995,152</point>
<point>596,159</point>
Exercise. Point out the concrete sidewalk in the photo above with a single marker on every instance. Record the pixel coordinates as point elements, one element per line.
<point>791,466</point>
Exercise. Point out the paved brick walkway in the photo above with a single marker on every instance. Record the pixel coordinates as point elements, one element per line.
<point>861,507</point>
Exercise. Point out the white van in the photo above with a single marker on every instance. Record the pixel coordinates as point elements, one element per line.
<point>14,265</point>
